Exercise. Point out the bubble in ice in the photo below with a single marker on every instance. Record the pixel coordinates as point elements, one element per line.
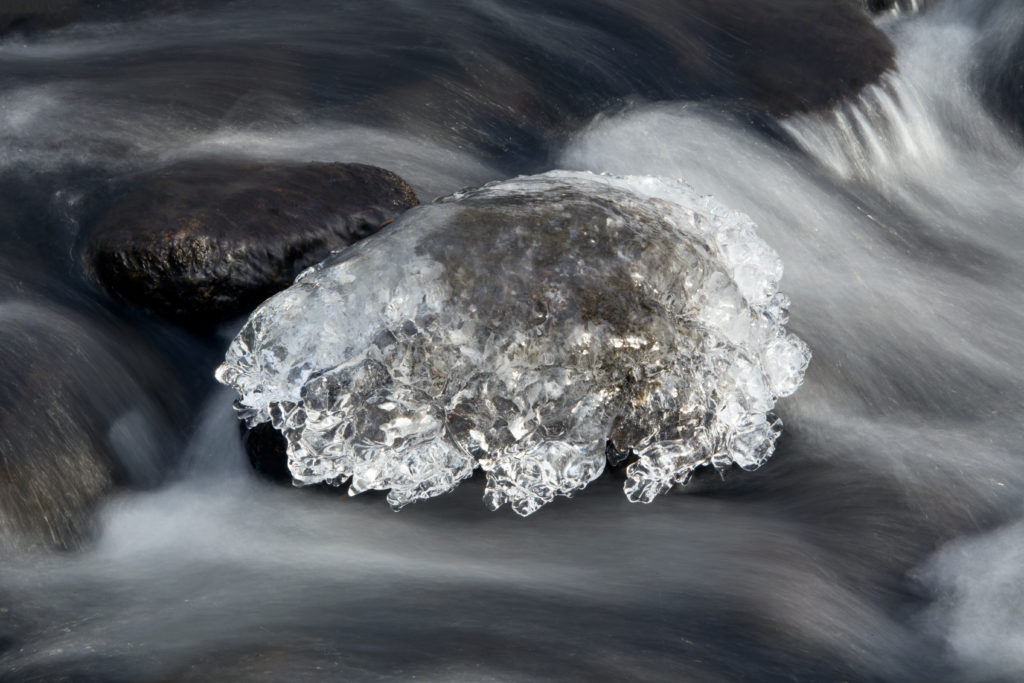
<point>537,328</point>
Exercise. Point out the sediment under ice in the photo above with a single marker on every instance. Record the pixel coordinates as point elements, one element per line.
<point>536,328</point>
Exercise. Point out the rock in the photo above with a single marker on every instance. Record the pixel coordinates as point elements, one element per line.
<point>203,241</point>
<point>1000,72</point>
<point>529,84</point>
<point>783,57</point>
<point>507,82</point>
<point>80,414</point>
<point>519,328</point>
<point>29,17</point>
<point>876,6</point>
<point>267,451</point>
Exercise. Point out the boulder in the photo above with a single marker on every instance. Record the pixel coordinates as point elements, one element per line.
<point>518,328</point>
<point>32,17</point>
<point>783,57</point>
<point>516,85</point>
<point>80,413</point>
<point>29,17</point>
<point>203,241</point>
<point>1000,70</point>
<point>267,451</point>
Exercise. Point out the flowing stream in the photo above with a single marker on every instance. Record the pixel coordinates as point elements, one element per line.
<point>883,541</point>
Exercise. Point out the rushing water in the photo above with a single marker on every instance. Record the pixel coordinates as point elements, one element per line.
<point>884,540</point>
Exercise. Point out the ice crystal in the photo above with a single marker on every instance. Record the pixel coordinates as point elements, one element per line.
<point>535,328</point>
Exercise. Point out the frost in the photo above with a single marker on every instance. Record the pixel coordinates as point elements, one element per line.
<point>536,328</point>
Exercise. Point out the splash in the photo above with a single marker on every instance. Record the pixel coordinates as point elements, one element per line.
<point>881,133</point>
<point>536,328</point>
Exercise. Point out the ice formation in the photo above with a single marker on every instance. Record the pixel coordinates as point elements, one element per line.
<point>536,328</point>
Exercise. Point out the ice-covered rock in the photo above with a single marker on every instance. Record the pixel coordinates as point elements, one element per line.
<point>534,328</point>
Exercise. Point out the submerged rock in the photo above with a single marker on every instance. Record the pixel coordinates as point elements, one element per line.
<point>30,17</point>
<point>267,451</point>
<point>999,74</point>
<point>515,81</point>
<point>784,57</point>
<point>76,420</point>
<point>25,19</point>
<point>203,241</point>
<point>528,327</point>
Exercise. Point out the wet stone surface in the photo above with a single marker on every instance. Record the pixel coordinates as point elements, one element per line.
<point>83,411</point>
<point>207,240</point>
<point>999,76</point>
<point>31,17</point>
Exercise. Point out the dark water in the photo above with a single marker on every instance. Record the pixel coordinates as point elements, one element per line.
<point>885,539</point>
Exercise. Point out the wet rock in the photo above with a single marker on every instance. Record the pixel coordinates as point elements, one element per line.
<point>29,17</point>
<point>267,451</point>
<point>784,57</point>
<point>876,6</point>
<point>526,87</point>
<point>79,415</point>
<point>506,82</point>
<point>519,328</point>
<point>1000,71</point>
<point>203,241</point>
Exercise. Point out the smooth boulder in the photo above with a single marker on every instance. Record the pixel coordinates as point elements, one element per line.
<point>84,409</point>
<point>999,74</point>
<point>518,328</point>
<point>31,17</point>
<point>205,240</point>
<point>267,451</point>
<point>528,83</point>
<point>782,57</point>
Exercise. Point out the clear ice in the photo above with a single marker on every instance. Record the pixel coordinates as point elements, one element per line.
<point>537,328</point>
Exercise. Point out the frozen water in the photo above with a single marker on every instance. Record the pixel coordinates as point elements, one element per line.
<point>535,328</point>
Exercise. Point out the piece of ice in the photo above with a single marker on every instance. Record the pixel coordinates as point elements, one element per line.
<point>534,328</point>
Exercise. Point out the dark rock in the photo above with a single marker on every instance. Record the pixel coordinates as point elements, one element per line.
<point>81,412</point>
<point>1000,70</point>
<point>531,83</point>
<point>784,57</point>
<point>505,81</point>
<point>203,241</point>
<point>32,16</point>
<point>880,5</point>
<point>29,17</point>
<point>266,448</point>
